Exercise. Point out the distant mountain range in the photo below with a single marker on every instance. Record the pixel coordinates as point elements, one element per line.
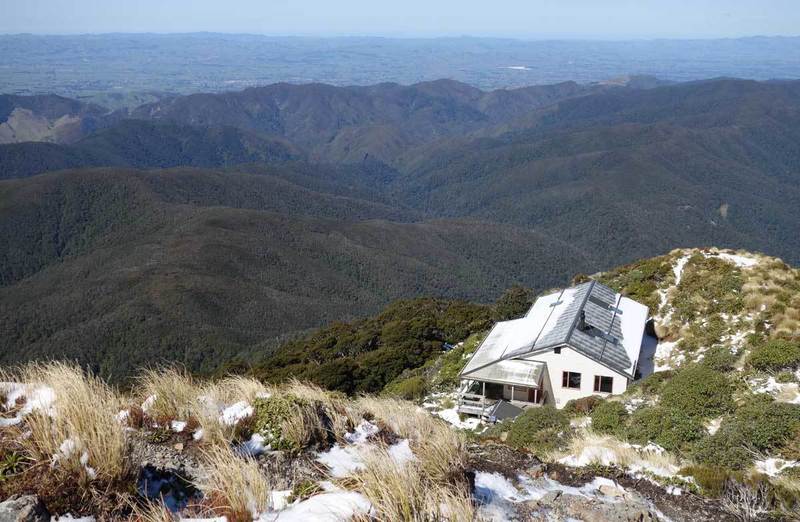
<point>205,226</point>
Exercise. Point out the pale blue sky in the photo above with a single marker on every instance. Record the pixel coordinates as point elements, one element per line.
<point>514,18</point>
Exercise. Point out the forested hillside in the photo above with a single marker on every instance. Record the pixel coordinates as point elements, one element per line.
<point>119,268</point>
<point>313,203</point>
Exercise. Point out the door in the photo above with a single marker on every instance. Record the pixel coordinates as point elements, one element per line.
<point>532,395</point>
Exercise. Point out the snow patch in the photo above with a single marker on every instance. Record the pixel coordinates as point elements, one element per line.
<point>280,499</point>
<point>666,357</point>
<point>39,398</point>
<point>363,431</point>
<point>148,403</point>
<point>451,417</point>
<point>401,452</point>
<point>739,260</point>
<point>782,391</point>
<point>254,446</point>
<point>773,466</point>
<point>713,425</point>
<point>496,494</point>
<point>333,506</point>
<point>233,414</point>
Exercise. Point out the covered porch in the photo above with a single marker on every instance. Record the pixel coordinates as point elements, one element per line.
<point>501,389</point>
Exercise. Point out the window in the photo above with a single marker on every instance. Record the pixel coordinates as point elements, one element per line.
<point>603,384</point>
<point>557,350</point>
<point>571,380</point>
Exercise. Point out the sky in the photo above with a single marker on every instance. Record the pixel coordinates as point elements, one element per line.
<point>533,19</point>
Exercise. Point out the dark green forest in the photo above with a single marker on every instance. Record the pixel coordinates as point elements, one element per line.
<point>213,227</point>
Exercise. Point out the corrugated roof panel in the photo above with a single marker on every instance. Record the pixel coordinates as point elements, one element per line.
<point>523,373</point>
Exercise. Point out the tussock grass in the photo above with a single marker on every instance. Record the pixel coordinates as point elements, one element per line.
<point>603,449</point>
<point>304,425</point>
<point>341,412</point>
<point>233,389</point>
<point>81,434</point>
<point>152,512</point>
<point>175,391</point>
<point>233,486</point>
<point>403,492</point>
<point>441,450</point>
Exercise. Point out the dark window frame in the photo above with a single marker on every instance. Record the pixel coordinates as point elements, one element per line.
<point>600,381</point>
<point>569,380</point>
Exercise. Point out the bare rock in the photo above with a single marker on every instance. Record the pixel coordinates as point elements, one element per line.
<point>26,508</point>
<point>565,506</point>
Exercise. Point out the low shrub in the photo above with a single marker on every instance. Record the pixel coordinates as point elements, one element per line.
<point>514,303</point>
<point>711,479</point>
<point>641,280</point>
<point>785,376</point>
<point>765,423</point>
<point>703,335</point>
<point>742,492</point>
<point>720,359</point>
<point>652,384</point>
<point>709,286</point>
<point>698,391</point>
<point>582,406</point>
<point>287,422</point>
<point>412,388</point>
<point>775,354</point>
<point>609,417</point>
<point>726,448</point>
<point>669,428</point>
<point>760,425</point>
<point>453,361</point>
<point>538,429</point>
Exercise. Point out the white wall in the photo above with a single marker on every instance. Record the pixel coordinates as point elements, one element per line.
<point>570,360</point>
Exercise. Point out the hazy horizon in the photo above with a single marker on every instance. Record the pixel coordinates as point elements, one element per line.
<point>514,19</point>
<point>404,37</point>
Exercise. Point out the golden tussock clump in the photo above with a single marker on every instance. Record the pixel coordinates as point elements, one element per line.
<point>404,492</point>
<point>79,432</point>
<point>233,486</point>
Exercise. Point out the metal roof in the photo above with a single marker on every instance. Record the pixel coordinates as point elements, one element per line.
<point>517,371</point>
<point>590,318</point>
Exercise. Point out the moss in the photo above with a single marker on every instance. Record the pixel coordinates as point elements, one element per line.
<point>775,354</point>
<point>160,435</point>
<point>698,391</point>
<point>609,417</point>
